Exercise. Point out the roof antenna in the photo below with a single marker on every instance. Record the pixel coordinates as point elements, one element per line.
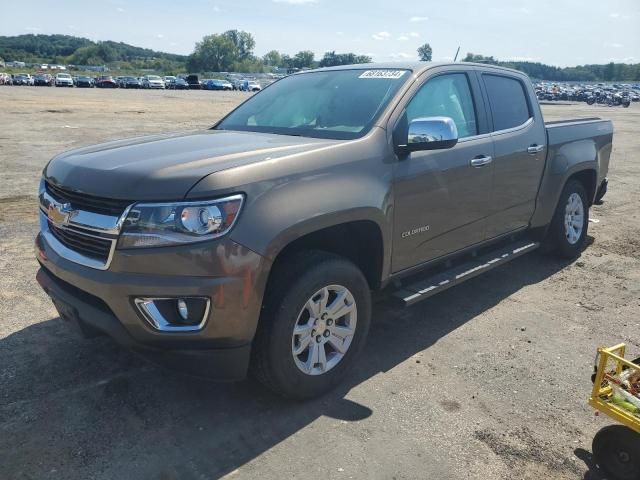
<point>457,52</point>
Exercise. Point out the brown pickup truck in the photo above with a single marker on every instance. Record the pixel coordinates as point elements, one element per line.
<point>255,245</point>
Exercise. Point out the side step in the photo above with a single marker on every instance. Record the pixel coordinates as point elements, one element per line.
<point>425,288</point>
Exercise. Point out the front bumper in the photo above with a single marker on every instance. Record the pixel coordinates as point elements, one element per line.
<point>232,276</point>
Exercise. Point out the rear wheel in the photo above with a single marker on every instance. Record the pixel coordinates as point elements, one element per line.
<point>314,324</point>
<point>568,229</point>
<point>616,450</point>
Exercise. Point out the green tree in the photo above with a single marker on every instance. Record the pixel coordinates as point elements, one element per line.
<point>243,41</point>
<point>424,52</point>
<point>286,61</point>
<point>479,59</point>
<point>249,65</point>
<point>609,71</point>
<point>303,59</point>
<point>272,58</point>
<point>331,59</point>
<point>215,53</point>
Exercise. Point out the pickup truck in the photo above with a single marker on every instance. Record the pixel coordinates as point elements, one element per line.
<point>254,246</point>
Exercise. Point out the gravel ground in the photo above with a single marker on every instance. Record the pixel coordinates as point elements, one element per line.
<point>488,380</point>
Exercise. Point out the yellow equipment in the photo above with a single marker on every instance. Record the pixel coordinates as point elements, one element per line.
<point>616,448</point>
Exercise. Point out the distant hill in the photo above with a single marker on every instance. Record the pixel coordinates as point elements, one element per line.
<point>67,49</point>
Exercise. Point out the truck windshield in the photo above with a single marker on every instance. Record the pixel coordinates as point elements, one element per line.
<point>337,104</point>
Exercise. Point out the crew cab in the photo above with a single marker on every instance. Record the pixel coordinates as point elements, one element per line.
<point>256,244</point>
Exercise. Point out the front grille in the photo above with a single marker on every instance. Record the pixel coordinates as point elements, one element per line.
<point>80,201</point>
<point>87,245</point>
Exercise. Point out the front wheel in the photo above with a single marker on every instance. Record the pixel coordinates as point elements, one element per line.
<point>616,450</point>
<point>568,229</point>
<point>314,324</point>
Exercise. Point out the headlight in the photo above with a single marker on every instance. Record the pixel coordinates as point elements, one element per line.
<point>164,224</point>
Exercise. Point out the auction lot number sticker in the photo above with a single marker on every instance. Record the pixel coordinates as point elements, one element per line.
<point>387,74</point>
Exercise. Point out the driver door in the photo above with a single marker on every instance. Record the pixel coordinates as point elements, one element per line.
<point>442,200</point>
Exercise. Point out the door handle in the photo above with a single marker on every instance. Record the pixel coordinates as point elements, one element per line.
<point>533,149</point>
<point>481,161</point>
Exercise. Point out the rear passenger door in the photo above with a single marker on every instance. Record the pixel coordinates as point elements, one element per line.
<point>519,143</point>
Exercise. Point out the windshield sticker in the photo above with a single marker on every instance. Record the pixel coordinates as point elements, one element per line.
<point>387,74</point>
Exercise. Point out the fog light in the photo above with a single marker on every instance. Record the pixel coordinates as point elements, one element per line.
<point>186,314</point>
<point>183,310</point>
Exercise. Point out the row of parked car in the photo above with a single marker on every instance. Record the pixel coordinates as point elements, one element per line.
<point>186,82</point>
<point>613,95</point>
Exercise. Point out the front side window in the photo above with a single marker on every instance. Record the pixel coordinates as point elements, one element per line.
<point>446,96</point>
<point>338,104</point>
<point>508,101</point>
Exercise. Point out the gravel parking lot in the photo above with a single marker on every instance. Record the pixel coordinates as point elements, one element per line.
<point>488,380</point>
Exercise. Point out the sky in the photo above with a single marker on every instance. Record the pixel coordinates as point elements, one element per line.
<point>559,32</point>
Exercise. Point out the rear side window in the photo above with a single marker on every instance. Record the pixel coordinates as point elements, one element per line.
<point>508,101</point>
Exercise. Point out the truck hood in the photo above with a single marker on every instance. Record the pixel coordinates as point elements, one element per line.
<point>165,167</point>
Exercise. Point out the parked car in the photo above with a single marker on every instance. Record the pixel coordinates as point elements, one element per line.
<point>22,79</point>
<point>193,82</point>
<point>250,86</point>
<point>178,84</point>
<point>236,83</point>
<point>167,80</point>
<point>152,81</point>
<point>217,85</point>
<point>5,79</point>
<point>43,80</point>
<point>254,87</point>
<point>291,211</point>
<point>106,81</point>
<point>131,82</point>
<point>64,80</point>
<point>120,81</point>
<point>84,82</point>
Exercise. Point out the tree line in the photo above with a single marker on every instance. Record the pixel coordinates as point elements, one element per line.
<point>233,50</point>
<point>582,73</point>
<point>67,49</point>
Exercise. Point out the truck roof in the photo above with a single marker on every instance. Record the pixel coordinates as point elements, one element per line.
<point>416,67</point>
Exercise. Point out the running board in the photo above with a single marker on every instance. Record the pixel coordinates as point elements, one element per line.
<point>423,289</point>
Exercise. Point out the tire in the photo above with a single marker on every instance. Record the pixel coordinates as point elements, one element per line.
<point>560,239</point>
<point>293,286</point>
<point>616,450</point>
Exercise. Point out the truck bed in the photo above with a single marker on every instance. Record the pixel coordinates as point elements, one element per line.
<point>581,145</point>
<point>587,139</point>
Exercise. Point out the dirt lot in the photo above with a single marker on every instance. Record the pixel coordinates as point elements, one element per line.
<point>486,381</point>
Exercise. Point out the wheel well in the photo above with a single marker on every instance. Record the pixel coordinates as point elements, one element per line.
<point>360,241</point>
<point>588,178</point>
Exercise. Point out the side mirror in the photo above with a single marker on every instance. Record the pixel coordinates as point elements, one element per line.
<point>431,133</point>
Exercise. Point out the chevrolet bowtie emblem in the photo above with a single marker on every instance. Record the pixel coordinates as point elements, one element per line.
<point>59,213</point>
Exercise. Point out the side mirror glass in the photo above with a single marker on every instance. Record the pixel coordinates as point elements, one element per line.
<point>431,133</point>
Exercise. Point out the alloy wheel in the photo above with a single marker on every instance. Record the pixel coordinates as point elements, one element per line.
<point>324,330</point>
<point>574,218</point>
